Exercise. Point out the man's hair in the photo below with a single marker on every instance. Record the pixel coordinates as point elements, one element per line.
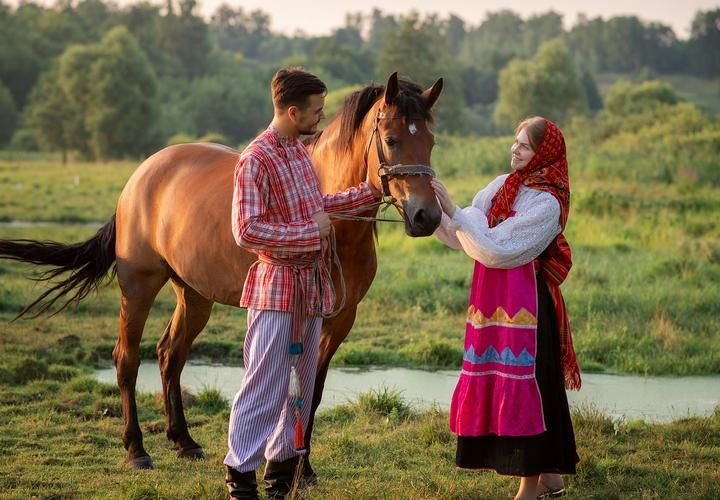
<point>535,129</point>
<point>293,86</point>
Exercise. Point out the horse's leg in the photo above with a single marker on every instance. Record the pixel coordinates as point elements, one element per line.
<point>138,291</point>
<point>191,315</point>
<point>333,333</point>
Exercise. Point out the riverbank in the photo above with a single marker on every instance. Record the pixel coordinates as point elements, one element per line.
<point>61,439</point>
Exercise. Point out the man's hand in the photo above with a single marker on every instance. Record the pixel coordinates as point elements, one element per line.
<point>323,220</point>
<point>443,197</point>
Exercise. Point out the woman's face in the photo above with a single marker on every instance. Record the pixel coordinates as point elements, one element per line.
<point>521,151</point>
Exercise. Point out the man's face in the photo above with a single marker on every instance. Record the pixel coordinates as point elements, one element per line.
<point>306,119</point>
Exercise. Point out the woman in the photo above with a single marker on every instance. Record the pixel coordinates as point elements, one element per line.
<point>509,409</point>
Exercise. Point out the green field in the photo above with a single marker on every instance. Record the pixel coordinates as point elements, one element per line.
<point>642,297</point>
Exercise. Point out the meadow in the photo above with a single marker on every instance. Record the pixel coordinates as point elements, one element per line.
<point>643,298</point>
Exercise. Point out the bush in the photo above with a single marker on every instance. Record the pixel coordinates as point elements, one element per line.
<point>27,369</point>
<point>181,139</point>
<point>24,139</point>
<point>435,354</point>
<point>384,401</point>
<point>215,137</point>
<point>211,401</point>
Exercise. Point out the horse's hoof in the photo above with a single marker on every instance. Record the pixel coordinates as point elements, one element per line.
<point>196,453</point>
<point>141,463</point>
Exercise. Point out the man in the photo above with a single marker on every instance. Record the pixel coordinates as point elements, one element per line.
<point>280,214</point>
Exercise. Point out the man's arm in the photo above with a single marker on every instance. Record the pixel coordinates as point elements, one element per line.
<point>251,189</point>
<point>352,198</point>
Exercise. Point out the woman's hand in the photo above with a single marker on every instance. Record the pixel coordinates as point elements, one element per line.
<point>443,197</point>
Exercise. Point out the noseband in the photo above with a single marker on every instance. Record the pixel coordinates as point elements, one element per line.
<point>385,171</point>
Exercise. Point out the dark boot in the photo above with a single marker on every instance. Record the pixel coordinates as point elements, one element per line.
<point>241,485</point>
<point>279,477</point>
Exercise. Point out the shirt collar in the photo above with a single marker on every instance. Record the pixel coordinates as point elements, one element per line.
<point>281,140</point>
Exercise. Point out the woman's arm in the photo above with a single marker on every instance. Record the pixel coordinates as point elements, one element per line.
<point>515,241</point>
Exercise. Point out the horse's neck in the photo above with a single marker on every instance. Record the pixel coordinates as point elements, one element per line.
<point>338,170</point>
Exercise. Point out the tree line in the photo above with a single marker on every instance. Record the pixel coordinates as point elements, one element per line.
<point>108,81</point>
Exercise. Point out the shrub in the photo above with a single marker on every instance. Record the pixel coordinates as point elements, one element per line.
<point>384,401</point>
<point>215,137</point>
<point>211,401</point>
<point>27,369</point>
<point>180,139</point>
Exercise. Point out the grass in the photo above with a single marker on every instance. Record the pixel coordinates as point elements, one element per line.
<point>642,297</point>
<point>61,439</point>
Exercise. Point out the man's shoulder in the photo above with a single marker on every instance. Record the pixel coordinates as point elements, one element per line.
<point>260,151</point>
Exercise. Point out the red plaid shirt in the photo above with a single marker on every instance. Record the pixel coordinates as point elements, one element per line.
<point>275,192</point>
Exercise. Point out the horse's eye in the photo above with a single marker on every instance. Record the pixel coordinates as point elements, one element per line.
<point>390,141</point>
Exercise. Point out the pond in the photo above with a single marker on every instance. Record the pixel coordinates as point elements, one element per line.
<point>655,399</point>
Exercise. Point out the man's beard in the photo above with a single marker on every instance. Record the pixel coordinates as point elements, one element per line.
<point>311,130</point>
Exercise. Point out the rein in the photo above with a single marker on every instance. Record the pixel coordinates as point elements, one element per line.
<point>385,173</point>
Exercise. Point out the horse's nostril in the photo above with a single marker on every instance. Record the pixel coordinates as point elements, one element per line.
<point>419,219</point>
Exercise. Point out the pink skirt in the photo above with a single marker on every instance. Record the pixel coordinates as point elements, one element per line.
<point>497,392</point>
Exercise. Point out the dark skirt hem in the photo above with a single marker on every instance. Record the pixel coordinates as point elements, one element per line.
<point>567,472</point>
<point>553,451</point>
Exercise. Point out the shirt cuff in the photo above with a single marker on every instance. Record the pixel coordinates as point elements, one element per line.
<point>457,219</point>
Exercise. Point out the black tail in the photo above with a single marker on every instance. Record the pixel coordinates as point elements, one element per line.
<point>88,263</point>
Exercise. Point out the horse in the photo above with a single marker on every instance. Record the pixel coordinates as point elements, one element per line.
<point>172,223</point>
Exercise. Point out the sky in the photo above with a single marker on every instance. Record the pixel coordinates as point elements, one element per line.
<point>320,17</point>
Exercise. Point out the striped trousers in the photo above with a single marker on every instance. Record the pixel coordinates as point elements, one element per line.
<point>262,418</point>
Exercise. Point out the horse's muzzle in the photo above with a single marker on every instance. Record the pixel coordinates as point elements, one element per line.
<point>422,221</point>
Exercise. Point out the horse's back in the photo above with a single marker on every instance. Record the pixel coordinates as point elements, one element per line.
<point>176,211</point>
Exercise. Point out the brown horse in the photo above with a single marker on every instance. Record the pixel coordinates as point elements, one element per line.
<point>173,223</point>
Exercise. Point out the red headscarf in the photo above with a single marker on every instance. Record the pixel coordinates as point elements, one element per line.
<point>547,171</point>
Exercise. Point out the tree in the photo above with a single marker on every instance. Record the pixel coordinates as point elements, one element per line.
<point>592,93</point>
<point>341,61</point>
<point>185,37</point>
<point>233,101</point>
<point>238,31</point>
<point>8,113</point>
<point>381,25</point>
<point>454,34</point>
<point>50,115</point>
<point>415,49</point>
<point>704,43</point>
<point>110,88</point>
<point>350,34</point>
<point>547,85</point>
<point>539,29</point>
<point>20,65</point>
<point>123,85</point>
<point>495,42</point>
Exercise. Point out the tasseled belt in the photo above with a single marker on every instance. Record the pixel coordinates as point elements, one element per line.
<point>298,325</point>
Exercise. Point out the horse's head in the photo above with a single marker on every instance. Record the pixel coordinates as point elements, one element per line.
<point>400,137</point>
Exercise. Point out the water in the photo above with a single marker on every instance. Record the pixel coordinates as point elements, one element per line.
<point>655,399</point>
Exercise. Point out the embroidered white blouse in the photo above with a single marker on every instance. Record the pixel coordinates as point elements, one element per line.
<point>512,243</point>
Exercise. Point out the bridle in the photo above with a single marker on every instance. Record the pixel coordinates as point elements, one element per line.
<point>385,173</point>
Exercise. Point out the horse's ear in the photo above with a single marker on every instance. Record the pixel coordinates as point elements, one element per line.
<point>431,94</point>
<point>391,89</point>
